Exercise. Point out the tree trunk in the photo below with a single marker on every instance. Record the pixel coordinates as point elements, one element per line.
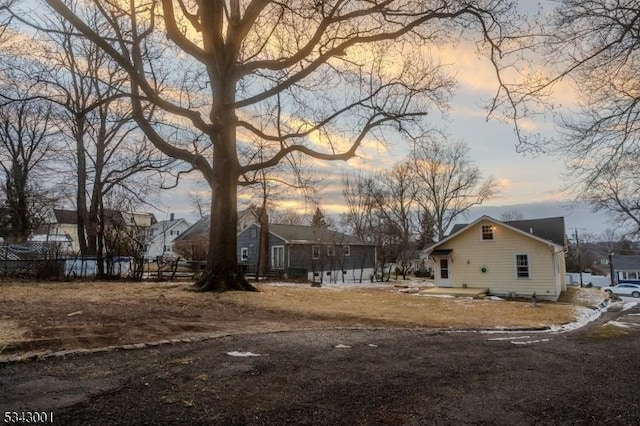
<point>223,272</point>
<point>81,194</point>
<point>263,257</point>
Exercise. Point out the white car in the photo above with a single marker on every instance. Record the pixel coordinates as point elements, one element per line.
<point>624,289</point>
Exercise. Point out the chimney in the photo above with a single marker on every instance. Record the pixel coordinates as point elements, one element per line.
<point>171,216</point>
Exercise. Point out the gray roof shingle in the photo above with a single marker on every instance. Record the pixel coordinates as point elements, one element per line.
<point>549,228</point>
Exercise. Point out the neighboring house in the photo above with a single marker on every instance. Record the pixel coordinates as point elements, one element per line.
<point>626,267</point>
<point>317,254</point>
<point>515,258</point>
<point>161,237</point>
<point>193,243</point>
<point>63,225</point>
<point>62,243</point>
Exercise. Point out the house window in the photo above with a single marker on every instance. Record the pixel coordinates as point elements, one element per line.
<point>167,249</point>
<point>277,257</point>
<point>253,233</point>
<point>522,265</point>
<point>630,275</point>
<point>315,252</point>
<point>244,253</point>
<point>487,232</point>
<point>331,251</point>
<point>346,250</point>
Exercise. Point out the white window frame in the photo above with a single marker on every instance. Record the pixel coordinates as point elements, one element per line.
<point>315,252</point>
<point>528,265</point>
<point>346,250</point>
<point>331,251</point>
<point>490,232</point>
<point>244,253</point>
<point>280,264</point>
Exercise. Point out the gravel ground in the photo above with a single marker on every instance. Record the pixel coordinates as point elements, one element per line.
<point>347,376</point>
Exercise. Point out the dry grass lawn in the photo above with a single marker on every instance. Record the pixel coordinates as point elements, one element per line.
<point>53,316</point>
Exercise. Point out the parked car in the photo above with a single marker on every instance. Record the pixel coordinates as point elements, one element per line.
<point>624,289</point>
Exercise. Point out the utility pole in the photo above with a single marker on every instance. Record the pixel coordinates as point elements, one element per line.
<point>579,257</point>
<point>611,269</point>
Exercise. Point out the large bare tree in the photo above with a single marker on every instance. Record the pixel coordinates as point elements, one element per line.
<point>450,184</point>
<point>341,70</point>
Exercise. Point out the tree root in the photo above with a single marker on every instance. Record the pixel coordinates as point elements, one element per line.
<point>223,278</point>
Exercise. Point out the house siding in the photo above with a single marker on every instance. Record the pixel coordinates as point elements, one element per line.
<point>471,254</point>
<point>164,237</point>
<point>298,257</point>
<point>245,240</point>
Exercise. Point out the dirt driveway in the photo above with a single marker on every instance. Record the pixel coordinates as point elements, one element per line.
<point>345,377</point>
<point>296,355</point>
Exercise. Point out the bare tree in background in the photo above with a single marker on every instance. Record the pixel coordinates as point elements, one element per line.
<point>266,186</point>
<point>449,182</point>
<point>511,215</point>
<point>615,188</point>
<point>328,64</point>
<point>394,194</point>
<point>590,51</point>
<point>27,144</point>
<point>358,218</point>
<point>5,17</point>
<point>108,151</point>
<point>287,217</point>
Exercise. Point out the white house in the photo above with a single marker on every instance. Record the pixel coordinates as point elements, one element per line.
<point>517,258</point>
<point>161,235</point>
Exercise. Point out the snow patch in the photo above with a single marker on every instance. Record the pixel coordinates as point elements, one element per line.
<point>584,316</point>
<point>530,342</point>
<point>628,305</point>
<point>443,296</point>
<point>341,346</point>
<point>510,338</point>
<point>372,345</point>
<point>622,324</point>
<point>242,354</point>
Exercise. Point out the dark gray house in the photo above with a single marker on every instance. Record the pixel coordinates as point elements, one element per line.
<point>318,254</point>
<point>626,267</point>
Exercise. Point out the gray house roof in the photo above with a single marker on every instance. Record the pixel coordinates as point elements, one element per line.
<point>549,228</point>
<point>310,234</point>
<point>198,230</point>
<point>299,234</point>
<point>626,262</point>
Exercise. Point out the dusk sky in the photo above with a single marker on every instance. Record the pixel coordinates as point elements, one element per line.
<point>531,185</point>
<point>534,185</point>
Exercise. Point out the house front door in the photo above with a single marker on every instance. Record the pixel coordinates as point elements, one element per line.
<point>444,274</point>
